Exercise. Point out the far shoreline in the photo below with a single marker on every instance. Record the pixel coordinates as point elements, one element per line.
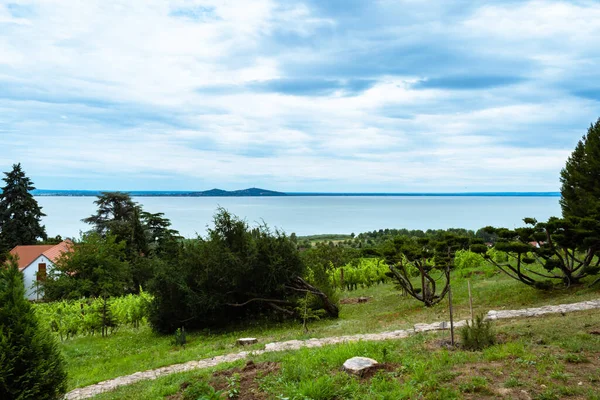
<point>133,193</point>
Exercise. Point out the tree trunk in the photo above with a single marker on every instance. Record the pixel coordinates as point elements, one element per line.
<point>301,285</point>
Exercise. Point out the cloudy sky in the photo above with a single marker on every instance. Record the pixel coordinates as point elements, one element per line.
<point>316,95</point>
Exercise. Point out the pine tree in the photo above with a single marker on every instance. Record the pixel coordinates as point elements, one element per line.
<point>20,214</point>
<point>31,366</point>
<point>581,176</point>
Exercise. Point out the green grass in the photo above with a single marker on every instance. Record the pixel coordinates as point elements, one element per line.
<point>94,359</point>
<point>418,367</point>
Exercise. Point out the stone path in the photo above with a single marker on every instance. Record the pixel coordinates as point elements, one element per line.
<point>111,384</point>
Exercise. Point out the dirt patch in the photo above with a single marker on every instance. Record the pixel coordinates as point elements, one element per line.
<point>355,300</point>
<point>386,367</point>
<point>246,379</point>
<point>579,372</point>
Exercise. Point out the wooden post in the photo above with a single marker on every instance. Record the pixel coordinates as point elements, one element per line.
<point>470,299</point>
<point>451,315</point>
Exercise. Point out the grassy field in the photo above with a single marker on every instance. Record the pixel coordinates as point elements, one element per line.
<point>553,357</point>
<point>94,359</point>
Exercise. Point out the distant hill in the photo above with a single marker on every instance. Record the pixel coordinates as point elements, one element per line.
<point>237,193</point>
<point>250,192</point>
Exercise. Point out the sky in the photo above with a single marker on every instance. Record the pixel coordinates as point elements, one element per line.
<point>315,95</point>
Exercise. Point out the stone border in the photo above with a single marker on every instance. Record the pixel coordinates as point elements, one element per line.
<point>111,384</point>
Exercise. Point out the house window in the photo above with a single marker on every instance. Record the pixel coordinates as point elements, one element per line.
<point>41,275</point>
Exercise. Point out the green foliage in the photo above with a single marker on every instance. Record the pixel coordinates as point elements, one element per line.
<point>566,250</point>
<point>71,318</point>
<point>145,235</point>
<point>202,391</point>
<point>468,259</point>
<point>179,337</point>
<point>430,258</point>
<point>366,272</point>
<point>580,192</point>
<point>97,267</point>
<point>31,366</point>
<point>235,273</point>
<point>478,334</point>
<point>20,214</point>
<point>233,386</point>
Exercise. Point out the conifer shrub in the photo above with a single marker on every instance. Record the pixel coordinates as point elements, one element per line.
<point>31,366</point>
<point>477,335</point>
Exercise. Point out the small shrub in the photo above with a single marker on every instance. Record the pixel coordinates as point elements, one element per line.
<point>478,334</point>
<point>179,337</point>
<point>477,384</point>
<point>202,391</point>
<point>233,386</point>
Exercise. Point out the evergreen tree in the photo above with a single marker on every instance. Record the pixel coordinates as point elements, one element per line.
<point>581,176</point>
<point>144,233</point>
<point>31,366</point>
<point>235,273</point>
<point>20,214</point>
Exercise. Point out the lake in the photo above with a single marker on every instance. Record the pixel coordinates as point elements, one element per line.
<point>308,215</point>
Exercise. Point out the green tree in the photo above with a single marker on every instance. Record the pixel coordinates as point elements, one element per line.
<point>97,267</point>
<point>145,234</point>
<point>118,215</point>
<point>233,274</point>
<point>31,366</point>
<point>580,191</point>
<point>429,260</point>
<point>20,214</point>
<point>564,250</point>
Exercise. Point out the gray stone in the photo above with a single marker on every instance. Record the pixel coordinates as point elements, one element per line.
<point>247,341</point>
<point>360,365</point>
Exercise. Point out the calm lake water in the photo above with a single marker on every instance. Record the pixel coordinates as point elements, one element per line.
<point>317,215</point>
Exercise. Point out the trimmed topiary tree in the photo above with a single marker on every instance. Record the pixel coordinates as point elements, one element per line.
<point>31,366</point>
<point>430,260</point>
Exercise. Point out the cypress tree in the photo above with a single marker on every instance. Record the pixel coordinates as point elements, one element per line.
<point>20,214</point>
<point>580,177</point>
<point>31,366</point>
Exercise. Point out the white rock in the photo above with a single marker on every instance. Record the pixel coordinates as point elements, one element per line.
<point>359,365</point>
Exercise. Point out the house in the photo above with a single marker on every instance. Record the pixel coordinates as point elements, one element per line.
<point>35,261</point>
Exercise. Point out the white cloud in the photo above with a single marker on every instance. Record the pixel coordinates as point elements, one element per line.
<point>170,91</point>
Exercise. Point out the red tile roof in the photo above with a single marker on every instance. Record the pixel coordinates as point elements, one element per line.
<point>54,253</point>
<point>28,254</point>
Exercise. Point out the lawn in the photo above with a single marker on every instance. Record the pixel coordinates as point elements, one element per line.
<point>553,357</point>
<point>94,359</point>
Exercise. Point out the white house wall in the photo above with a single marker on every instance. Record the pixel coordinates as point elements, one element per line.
<point>30,277</point>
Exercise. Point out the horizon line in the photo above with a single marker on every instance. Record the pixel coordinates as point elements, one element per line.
<point>307,193</point>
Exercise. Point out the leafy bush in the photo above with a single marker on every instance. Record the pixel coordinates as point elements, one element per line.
<point>31,366</point>
<point>477,335</point>
<point>234,274</point>
<point>468,259</point>
<point>179,337</point>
